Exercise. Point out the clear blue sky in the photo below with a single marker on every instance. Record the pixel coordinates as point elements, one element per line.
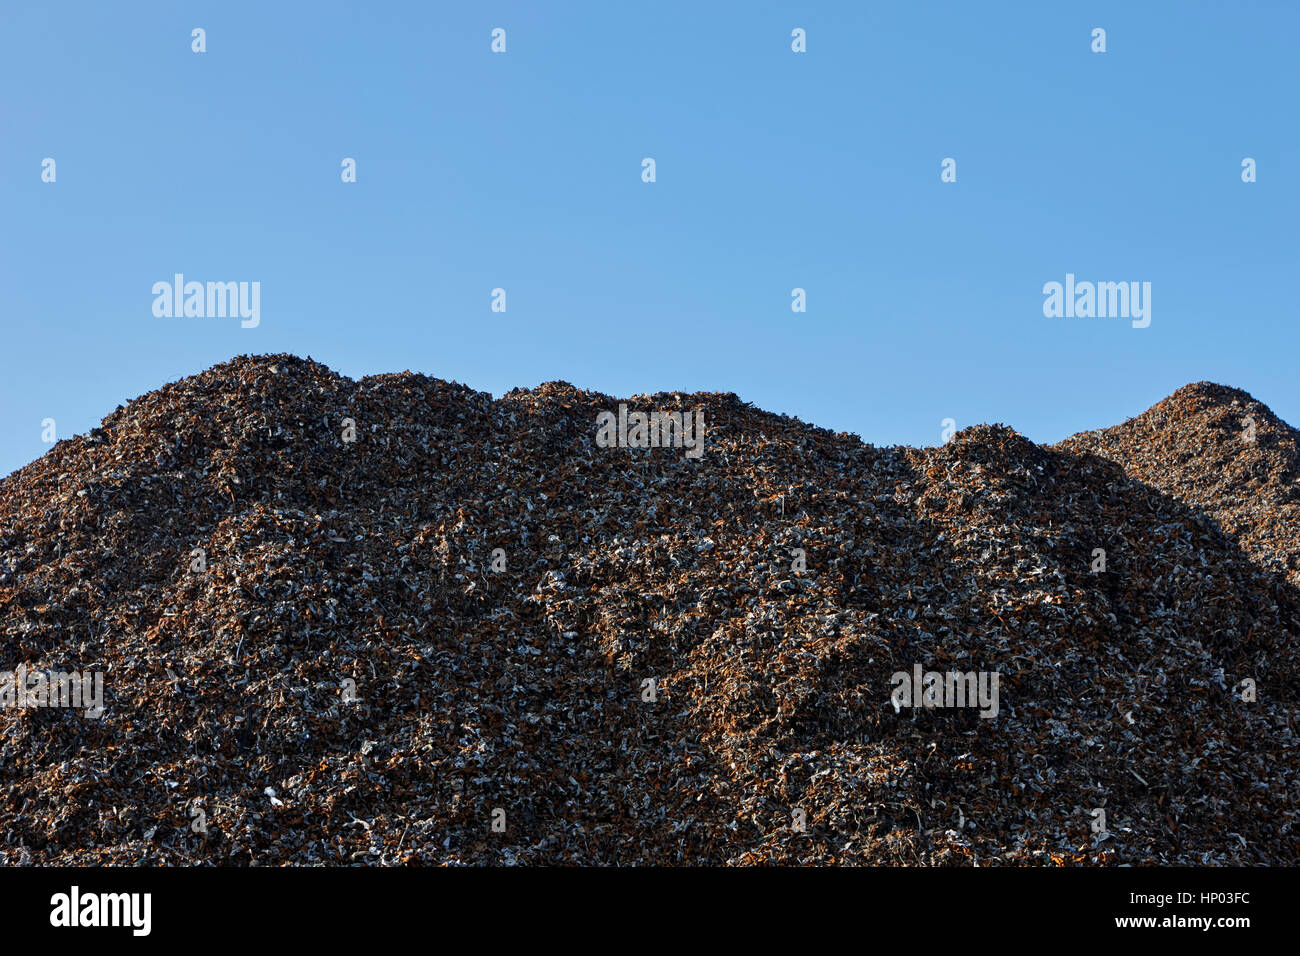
<point>775,170</point>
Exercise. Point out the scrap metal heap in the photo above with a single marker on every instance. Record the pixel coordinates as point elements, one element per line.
<point>1224,453</point>
<point>473,635</point>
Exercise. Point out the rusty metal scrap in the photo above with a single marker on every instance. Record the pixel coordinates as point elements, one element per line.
<point>469,634</point>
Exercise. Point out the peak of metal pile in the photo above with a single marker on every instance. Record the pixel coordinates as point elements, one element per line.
<point>1224,453</point>
<point>471,635</point>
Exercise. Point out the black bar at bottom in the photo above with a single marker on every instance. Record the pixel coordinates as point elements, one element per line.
<point>652,907</point>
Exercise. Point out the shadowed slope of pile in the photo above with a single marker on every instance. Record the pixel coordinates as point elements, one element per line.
<point>1222,452</point>
<point>370,562</point>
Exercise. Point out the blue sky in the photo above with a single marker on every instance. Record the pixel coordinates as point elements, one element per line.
<point>775,170</point>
